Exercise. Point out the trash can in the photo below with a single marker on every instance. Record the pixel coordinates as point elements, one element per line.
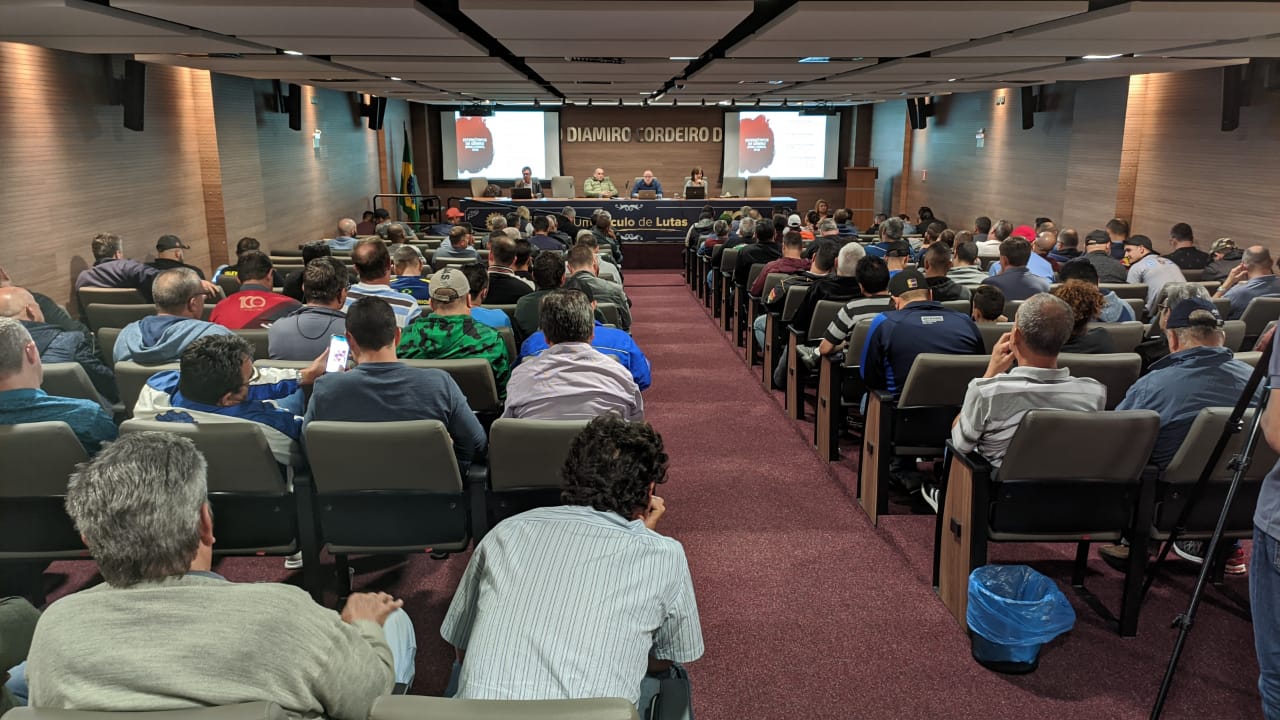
<point>1013,611</point>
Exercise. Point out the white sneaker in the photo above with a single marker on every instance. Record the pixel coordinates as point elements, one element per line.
<point>930,493</point>
<point>294,561</point>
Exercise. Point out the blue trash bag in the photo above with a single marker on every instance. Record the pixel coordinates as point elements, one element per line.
<point>1013,610</point>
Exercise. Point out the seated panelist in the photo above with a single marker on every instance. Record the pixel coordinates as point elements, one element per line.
<point>696,179</point>
<point>647,182</point>
<point>599,186</point>
<point>527,180</point>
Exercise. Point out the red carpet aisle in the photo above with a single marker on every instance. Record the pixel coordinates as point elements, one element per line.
<point>809,612</point>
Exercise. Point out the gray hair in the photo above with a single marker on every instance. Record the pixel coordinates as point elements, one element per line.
<point>1002,230</point>
<point>1046,322</point>
<point>406,254</point>
<point>892,228</point>
<point>512,233</point>
<point>566,316</point>
<point>850,254</point>
<point>746,227</point>
<point>568,211</point>
<point>173,288</point>
<point>584,234</point>
<point>1257,257</point>
<point>720,227</point>
<point>13,341</point>
<point>137,504</point>
<point>497,222</point>
<point>1175,292</point>
<point>826,225</point>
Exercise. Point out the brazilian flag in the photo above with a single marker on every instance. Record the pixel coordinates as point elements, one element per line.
<point>408,183</point>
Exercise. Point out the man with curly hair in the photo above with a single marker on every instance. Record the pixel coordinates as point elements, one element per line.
<point>585,599</point>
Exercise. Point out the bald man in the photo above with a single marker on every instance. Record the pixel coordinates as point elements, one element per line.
<point>599,186</point>
<point>346,235</point>
<point>1254,277</point>
<point>55,344</point>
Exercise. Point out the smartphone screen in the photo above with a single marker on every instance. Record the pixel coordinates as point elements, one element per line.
<point>338,351</point>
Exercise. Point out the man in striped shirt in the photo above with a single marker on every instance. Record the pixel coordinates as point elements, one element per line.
<point>373,265</point>
<point>581,600</point>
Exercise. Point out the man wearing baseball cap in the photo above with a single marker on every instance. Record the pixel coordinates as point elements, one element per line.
<point>1197,373</point>
<point>1097,251</point>
<point>1148,268</point>
<point>1225,256</point>
<point>449,332</point>
<point>169,255</point>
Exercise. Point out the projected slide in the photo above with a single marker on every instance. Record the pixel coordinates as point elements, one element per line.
<point>498,146</point>
<point>782,145</point>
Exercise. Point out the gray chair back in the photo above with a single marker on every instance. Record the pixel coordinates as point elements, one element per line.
<point>939,379</point>
<point>1124,335</point>
<point>857,340</point>
<point>1011,309</point>
<point>107,344</point>
<point>728,260</point>
<point>257,337</point>
<point>238,456</point>
<point>419,707</point>
<point>611,314</point>
<point>529,453</point>
<point>1235,332</point>
<point>1193,275</point>
<point>1121,444</point>
<point>401,455</point>
<point>771,281</point>
<point>509,339</point>
<point>243,711</point>
<point>478,184</point>
<point>753,273</point>
<point>823,313</point>
<point>131,377</point>
<point>37,458</point>
<point>1258,313</point>
<point>795,296</point>
<point>68,379</point>
<point>1138,306</point>
<point>1117,371</point>
<point>960,306</point>
<point>1223,306</point>
<point>992,332</point>
<point>734,186</point>
<point>1210,285</point>
<point>1125,290</point>
<point>110,296</point>
<point>100,315</point>
<point>1194,452</point>
<point>1250,358</point>
<point>440,263</point>
<point>759,186</point>
<point>562,186</point>
<point>474,377</point>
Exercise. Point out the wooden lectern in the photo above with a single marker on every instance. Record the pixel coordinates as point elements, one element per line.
<point>860,194</point>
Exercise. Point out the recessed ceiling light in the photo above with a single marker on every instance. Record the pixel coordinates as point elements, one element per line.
<point>951,79</point>
<point>292,52</point>
<point>683,57</point>
<point>815,59</point>
<point>394,78</point>
<point>1102,57</point>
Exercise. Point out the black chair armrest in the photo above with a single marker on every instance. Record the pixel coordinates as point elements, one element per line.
<point>975,462</point>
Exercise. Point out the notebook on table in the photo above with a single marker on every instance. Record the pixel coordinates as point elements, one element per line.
<point>696,192</point>
<point>647,194</point>
<point>523,193</point>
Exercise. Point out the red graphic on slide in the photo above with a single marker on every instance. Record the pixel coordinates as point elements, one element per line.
<point>755,144</point>
<point>475,144</point>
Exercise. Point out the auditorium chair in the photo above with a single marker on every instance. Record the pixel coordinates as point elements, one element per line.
<point>1257,314</point>
<point>131,377</point>
<point>721,279</point>
<point>228,284</point>
<point>1235,332</point>
<point>1117,371</point>
<point>1125,290</point>
<point>797,374</point>
<point>1125,336</point>
<point>960,306</point>
<point>478,185</point>
<point>1250,357</point>
<point>775,339</point>
<point>526,466</point>
<point>1137,306</point>
<point>440,263</point>
<point>1210,285</point>
<point>756,309</point>
<point>68,379</point>
<point>509,339</point>
<point>389,488</point>
<point>36,459</point>
<point>242,711</point>
<point>916,424</point>
<point>1175,483</point>
<point>1223,306</point>
<point>1050,492</point>
<point>422,707</point>
<point>110,296</point>
<point>733,187</point>
<point>562,186</point>
<point>260,507</point>
<point>759,186</point>
<point>475,378</point>
<point>257,337</point>
<point>1193,275</point>
<point>107,344</point>
<point>992,332</point>
<point>742,315</point>
<point>839,388</point>
<point>610,313</point>
<point>100,315</point>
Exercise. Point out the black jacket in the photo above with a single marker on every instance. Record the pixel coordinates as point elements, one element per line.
<point>58,346</point>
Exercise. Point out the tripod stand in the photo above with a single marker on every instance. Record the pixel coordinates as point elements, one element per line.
<point>1239,465</point>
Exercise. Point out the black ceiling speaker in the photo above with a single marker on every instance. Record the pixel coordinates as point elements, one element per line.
<point>294,103</point>
<point>135,94</point>
<point>1233,96</point>
<point>1028,107</point>
<point>923,112</point>
<point>377,112</point>
<point>913,114</point>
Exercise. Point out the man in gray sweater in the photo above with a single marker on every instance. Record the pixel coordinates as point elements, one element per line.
<point>164,632</point>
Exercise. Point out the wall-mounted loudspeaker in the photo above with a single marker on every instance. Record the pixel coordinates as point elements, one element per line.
<point>294,105</point>
<point>1028,107</point>
<point>1234,93</point>
<point>377,112</point>
<point>913,114</point>
<point>135,94</point>
<point>923,111</point>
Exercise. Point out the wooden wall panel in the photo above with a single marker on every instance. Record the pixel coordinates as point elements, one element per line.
<point>888,131</point>
<point>1222,183</point>
<point>69,164</point>
<point>624,161</point>
<point>1094,160</point>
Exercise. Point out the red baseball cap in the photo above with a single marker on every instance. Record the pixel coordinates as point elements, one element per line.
<point>1026,232</point>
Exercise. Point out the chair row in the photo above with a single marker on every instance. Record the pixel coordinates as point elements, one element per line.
<point>402,492</point>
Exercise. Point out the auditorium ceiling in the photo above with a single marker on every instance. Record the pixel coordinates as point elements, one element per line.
<point>837,52</point>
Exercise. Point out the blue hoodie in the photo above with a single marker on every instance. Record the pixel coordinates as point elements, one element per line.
<point>161,339</point>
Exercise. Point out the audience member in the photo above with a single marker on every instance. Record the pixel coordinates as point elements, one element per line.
<point>449,332</point>
<point>981,228</point>
<point>346,239</point>
<point>1097,252</point>
<point>380,388</point>
<point>385,223</point>
<point>478,279</point>
<point>1014,279</point>
<point>1185,254</point>
<point>719,236</point>
<point>823,265</point>
<point>18,619</point>
<point>254,305</point>
<point>578,555</point>
<point>937,267</point>
<point>556,232</point>
<point>142,508</point>
<point>305,334</point>
<point>873,278</point>
<point>459,245</point>
<point>789,264</point>
<point>367,226</point>
<point>548,275</point>
<point>56,345</point>
<point>1225,257</point>
<point>1086,303</point>
<point>1002,230</point>
<point>373,266</point>
<point>613,342</point>
<point>1147,268</point>
<point>891,232</point>
<point>602,229</point>
<point>965,270</point>
<point>1253,278</point>
<point>839,286</point>
<point>844,225</point>
<point>22,401</point>
<point>1117,235</point>
<point>396,235</point>
<point>608,271</point>
<point>505,287</point>
<point>1262,581</point>
<point>408,262</point>
<point>243,246</point>
<point>169,255</point>
<point>570,379</point>
<point>1037,263</point>
<point>896,255</point>
<point>763,250</point>
<point>541,237</point>
<point>584,272</point>
<point>161,338</point>
<point>293,281</point>
<point>1067,247</point>
<point>986,305</point>
<point>111,269</point>
<point>1114,309</point>
<point>54,314</point>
